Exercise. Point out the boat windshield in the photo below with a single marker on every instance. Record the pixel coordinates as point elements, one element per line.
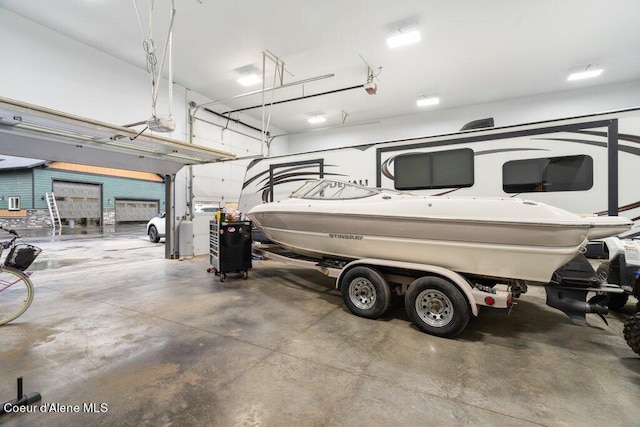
<point>304,189</point>
<point>332,190</point>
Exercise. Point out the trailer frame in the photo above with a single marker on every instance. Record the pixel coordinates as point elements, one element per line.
<point>369,286</point>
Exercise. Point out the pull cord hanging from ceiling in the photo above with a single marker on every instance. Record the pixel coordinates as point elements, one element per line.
<point>158,123</point>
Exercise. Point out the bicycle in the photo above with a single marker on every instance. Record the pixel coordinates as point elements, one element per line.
<point>16,289</point>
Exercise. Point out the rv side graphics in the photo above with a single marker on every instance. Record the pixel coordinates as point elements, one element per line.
<point>585,165</point>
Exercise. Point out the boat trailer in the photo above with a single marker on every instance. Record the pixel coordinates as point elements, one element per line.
<point>441,301</point>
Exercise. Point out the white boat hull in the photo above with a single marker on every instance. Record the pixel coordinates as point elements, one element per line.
<point>493,237</point>
<point>497,260</point>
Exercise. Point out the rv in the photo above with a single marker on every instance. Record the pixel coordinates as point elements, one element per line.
<point>586,165</point>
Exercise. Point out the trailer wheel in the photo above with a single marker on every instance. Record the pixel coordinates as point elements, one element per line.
<point>437,306</point>
<point>365,292</point>
<point>632,332</point>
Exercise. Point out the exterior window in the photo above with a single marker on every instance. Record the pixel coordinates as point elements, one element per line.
<point>441,169</point>
<point>570,173</point>
<point>14,203</point>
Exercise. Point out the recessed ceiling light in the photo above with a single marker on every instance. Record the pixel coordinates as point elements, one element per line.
<point>403,38</point>
<point>249,80</point>
<point>425,101</point>
<point>316,119</point>
<point>586,74</point>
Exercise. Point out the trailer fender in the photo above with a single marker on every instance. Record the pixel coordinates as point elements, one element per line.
<point>452,276</point>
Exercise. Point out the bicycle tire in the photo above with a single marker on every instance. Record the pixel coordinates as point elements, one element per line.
<point>16,294</point>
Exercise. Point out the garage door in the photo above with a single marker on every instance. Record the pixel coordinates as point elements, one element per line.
<point>77,199</point>
<point>135,210</point>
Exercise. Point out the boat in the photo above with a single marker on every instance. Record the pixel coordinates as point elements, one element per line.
<point>492,237</point>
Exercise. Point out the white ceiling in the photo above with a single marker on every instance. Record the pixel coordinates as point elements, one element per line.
<point>471,51</point>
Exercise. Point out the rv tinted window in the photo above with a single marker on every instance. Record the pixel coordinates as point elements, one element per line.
<point>570,173</point>
<point>441,169</point>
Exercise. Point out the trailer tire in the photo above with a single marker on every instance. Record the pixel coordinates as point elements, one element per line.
<point>632,332</point>
<point>365,292</point>
<point>437,306</point>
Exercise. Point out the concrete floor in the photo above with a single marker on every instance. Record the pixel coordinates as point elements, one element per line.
<point>163,342</point>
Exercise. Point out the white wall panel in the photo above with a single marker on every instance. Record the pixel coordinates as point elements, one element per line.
<point>222,181</point>
<point>42,67</point>
<point>442,120</point>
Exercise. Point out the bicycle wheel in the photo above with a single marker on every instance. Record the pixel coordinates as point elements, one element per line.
<point>16,294</point>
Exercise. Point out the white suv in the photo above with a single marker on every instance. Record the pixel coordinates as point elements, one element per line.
<point>156,227</point>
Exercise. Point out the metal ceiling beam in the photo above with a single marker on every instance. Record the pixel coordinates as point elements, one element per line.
<point>259,91</point>
<point>295,99</point>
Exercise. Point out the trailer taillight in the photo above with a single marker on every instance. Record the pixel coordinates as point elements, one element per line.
<point>489,300</point>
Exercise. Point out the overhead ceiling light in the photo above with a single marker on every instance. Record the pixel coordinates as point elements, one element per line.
<point>249,80</point>
<point>403,38</point>
<point>586,74</point>
<point>316,119</point>
<point>425,101</point>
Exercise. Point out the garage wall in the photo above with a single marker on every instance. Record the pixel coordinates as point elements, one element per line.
<point>45,68</point>
<point>441,119</point>
<point>16,183</point>
<point>222,183</point>
<point>113,187</point>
